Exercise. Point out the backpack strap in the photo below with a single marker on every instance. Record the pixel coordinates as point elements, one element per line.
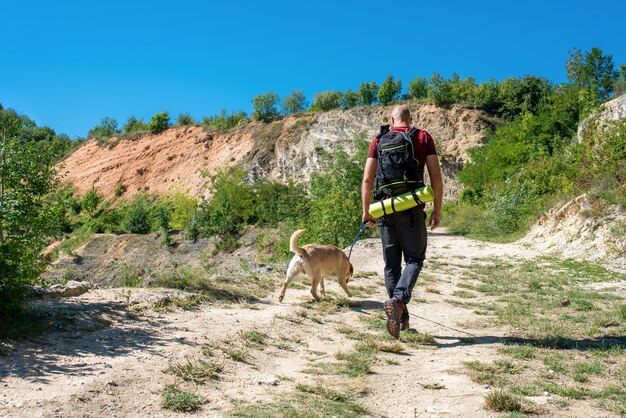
<point>383,130</point>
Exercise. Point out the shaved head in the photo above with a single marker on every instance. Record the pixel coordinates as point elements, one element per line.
<point>400,116</point>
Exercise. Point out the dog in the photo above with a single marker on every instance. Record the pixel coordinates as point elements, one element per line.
<point>317,261</point>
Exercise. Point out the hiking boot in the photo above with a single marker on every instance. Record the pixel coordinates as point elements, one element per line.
<point>404,325</point>
<point>393,310</point>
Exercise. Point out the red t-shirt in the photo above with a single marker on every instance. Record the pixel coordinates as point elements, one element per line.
<point>423,146</point>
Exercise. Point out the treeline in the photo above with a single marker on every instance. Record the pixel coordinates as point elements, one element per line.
<point>534,161</point>
<point>505,99</point>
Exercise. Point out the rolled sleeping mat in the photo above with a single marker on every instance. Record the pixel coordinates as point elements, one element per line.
<point>402,202</point>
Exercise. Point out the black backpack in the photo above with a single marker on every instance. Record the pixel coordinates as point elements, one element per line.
<point>398,170</point>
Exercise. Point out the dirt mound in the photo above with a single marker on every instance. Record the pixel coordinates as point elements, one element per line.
<point>288,149</point>
<point>584,229</point>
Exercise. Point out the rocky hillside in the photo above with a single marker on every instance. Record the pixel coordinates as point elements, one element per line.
<point>288,149</point>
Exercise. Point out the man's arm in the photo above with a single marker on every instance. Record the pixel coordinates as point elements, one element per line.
<point>366,190</point>
<point>434,172</point>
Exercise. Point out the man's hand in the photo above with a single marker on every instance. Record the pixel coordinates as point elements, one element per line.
<point>368,220</point>
<point>434,220</point>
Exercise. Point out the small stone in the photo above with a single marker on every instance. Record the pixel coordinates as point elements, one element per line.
<point>546,393</point>
<point>565,302</point>
<point>268,380</point>
<point>550,371</point>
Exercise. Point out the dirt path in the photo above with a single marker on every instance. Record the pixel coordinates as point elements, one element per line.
<point>111,362</point>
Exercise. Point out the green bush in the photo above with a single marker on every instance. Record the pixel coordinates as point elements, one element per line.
<point>159,122</point>
<point>137,215</point>
<point>265,106</point>
<point>389,91</point>
<point>133,125</point>
<point>106,129</point>
<point>185,119</point>
<point>91,200</point>
<point>367,93</point>
<point>350,99</point>
<point>326,100</point>
<point>295,102</point>
<point>418,88</point>
<point>225,121</point>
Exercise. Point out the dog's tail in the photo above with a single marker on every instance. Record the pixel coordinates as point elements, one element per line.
<point>293,243</point>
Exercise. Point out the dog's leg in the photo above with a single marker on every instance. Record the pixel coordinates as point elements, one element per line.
<point>322,287</point>
<point>315,283</point>
<point>292,272</point>
<point>344,286</point>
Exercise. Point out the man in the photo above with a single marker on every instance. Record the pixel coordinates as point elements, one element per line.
<point>402,233</point>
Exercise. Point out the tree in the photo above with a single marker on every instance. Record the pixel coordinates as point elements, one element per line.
<point>106,129</point>
<point>389,91</point>
<point>620,83</point>
<point>367,93</point>
<point>28,216</point>
<point>159,122</point>
<point>350,99</point>
<point>418,88</point>
<point>185,119</point>
<point>295,102</point>
<point>592,71</point>
<point>91,200</point>
<point>327,100</point>
<point>440,90</point>
<point>134,125</point>
<point>265,106</point>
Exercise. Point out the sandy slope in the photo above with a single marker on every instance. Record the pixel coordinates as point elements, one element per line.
<point>114,366</point>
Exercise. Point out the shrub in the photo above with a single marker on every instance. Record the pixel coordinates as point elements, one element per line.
<point>295,102</point>
<point>106,129</point>
<point>159,122</point>
<point>185,119</point>
<point>350,99</point>
<point>367,93</point>
<point>389,91</point>
<point>134,125</point>
<point>120,189</point>
<point>137,215</point>
<point>91,200</point>
<point>225,121</point>
<point>326,100</point>
<point>440,90</point>
<point>418,88</point>
<point>265,106</point>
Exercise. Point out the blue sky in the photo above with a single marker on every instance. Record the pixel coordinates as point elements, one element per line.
<point>67,64</point>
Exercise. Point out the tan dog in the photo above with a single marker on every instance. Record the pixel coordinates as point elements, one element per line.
<point>317,261</point>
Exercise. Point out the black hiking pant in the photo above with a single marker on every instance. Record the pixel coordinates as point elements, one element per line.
<point>403,234</point>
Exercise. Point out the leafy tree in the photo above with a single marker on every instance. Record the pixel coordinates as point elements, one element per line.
<point>295,102</point>
<point>592,71</point>
<point>106,129</point>
<point>440,90</point>
<point>91,200</point>
<point>327,100</point>
<point>520,94</point>
<point>134,125</point>
<point>137,215</point>
<point>389,91</point>
<point>159,122</point>
<point>185,119</point>
<point>350,99</point>
<point>367,93</point>
<point>418,88</point>
<point>620,83</point>
<point>265,106</point>
<point>28,216</point>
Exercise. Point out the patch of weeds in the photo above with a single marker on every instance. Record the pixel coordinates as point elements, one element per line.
<point>521,352</point>
<point>255,337</point>
<point>197,373</point>
<point>502,401</point>
<point>414,337</point>
<point>316,319</point>
<point>465,294</point>
<point>432,386</point>
<point>566,391</point>
<point>306,402</point>
<point>235,354</point>
<point>507,367</point>
<point>555,362</point>
<point>290,319</point>
<point>179,400</point>
<point>392,347</point>
<point>392,362</point>
<point>431,289</point>
<point>364,274</point>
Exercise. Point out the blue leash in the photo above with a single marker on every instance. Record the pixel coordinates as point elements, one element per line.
<point>361,229</point>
